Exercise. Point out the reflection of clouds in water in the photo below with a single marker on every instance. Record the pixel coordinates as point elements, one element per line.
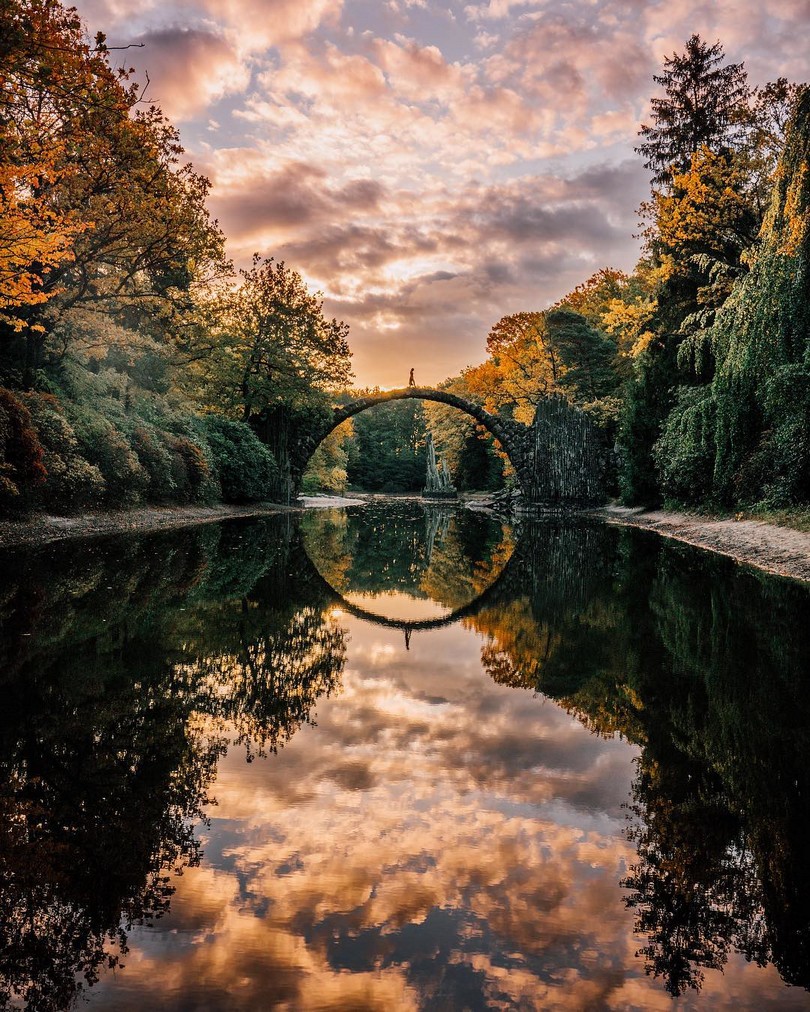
<point>443,838</point>
<point>398,606</point>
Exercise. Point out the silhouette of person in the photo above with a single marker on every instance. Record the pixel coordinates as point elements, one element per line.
<point>411,381</point>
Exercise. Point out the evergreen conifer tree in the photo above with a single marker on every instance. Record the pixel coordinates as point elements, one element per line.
<point>706,103</point>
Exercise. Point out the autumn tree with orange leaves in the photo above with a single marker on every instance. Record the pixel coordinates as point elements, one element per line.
<point>101,219</point>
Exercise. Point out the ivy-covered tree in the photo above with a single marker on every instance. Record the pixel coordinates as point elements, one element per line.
<point>761,340</point>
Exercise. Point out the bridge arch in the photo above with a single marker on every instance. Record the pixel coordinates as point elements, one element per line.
<point>515,438</point>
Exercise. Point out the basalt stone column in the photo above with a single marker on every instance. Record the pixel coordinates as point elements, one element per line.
<point>567,467</point>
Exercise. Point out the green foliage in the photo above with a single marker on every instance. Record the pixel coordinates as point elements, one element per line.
<point>104,445</point>
<point>705,102</point>
<point>191,471</point>
<point>267,345</point>
<point>463,444</point>
<point>718,410</point>
<point>478,468</point>
<point>591,378</point>
<point>648,397</point>
<point>247,469</point>
<point>761,339</point>
<point>108,258</point>
<point>387,453</point>
<point>155,457</point>
<point>72,481</point>
<point>684,454</point>
<point>326,471</point>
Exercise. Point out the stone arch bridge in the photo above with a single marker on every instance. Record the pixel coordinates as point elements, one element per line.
<point>559,460</point>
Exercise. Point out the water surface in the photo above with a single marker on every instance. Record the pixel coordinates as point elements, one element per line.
<point>398,757</point>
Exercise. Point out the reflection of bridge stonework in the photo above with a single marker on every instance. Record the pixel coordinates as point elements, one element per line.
<point>558,459</point>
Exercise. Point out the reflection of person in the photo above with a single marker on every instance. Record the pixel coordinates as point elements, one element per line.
<point>411,381</point>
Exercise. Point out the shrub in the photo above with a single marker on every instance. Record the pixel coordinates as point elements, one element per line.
<point>156,459</point>
<point>21,453</point>
<point>72,481</point>
<point>107,447</point>
<point>247,469</point>
<point>191,471</point>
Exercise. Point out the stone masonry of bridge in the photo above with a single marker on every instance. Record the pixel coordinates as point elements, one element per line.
<point>558,460</point>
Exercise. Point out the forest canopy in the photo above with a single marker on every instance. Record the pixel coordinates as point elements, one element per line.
<point>132,360</point>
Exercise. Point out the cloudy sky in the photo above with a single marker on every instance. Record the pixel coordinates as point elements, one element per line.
<point>429,166</point>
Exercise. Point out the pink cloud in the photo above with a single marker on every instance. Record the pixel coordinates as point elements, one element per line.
<point>415,156</point>
<point>187,69</point>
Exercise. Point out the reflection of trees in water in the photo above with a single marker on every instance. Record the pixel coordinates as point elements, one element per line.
<point>702,665</point>
<point>449,556</point>
<point>125,675</point>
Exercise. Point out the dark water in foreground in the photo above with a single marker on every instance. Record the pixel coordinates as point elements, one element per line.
<point>397,758</point>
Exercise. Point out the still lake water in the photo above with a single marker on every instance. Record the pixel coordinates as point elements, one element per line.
<point>395,757</point>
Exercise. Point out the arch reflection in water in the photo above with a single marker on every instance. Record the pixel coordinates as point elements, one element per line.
<point>411,565</point>
<point>129,674</point>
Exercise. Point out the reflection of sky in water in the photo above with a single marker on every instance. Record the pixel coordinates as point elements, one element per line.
<point>398,606</point>
<point>437,841</point>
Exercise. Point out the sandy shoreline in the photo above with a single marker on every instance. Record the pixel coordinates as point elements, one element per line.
<point>774,549</point>
<point>42,528</point>
<point>765,546</point>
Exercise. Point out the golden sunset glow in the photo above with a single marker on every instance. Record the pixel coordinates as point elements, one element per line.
<point>430,166</point>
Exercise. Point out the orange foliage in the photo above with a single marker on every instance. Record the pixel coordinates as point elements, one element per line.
<point>34,238</point>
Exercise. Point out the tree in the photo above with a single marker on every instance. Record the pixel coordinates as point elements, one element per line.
<point>326,471</point>
<point>705,104</point>
<point>530,363</point>
<point>593,297</point>
<point>265,353</point>
<point>771,109</point>
<point>466,446</point>
<point>35,238</point>
<point>761,340</point>
<point>703,228</point>
<point>102,189</point>
<point>268,345</point>
<point>387,451</point>
<point>587,353</point>
<point>523,367</point>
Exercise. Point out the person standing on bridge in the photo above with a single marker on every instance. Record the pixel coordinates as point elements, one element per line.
<point>411,380</point>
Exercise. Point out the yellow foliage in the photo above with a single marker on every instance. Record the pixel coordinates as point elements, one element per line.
<point>524,366</point>
<point>628,318</point>
<point>707,211</point>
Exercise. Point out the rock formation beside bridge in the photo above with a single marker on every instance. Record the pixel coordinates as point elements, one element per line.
<point>437,479</point>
